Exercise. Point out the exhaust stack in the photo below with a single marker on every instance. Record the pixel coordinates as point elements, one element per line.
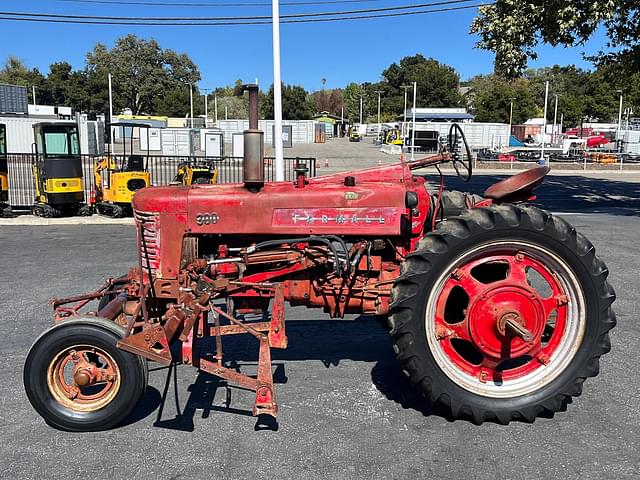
<point>253,164</point>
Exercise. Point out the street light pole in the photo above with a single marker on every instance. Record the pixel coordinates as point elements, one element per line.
<point>215,108</point>
<point>191,102</point>
<point>413,129</point>
<point>404,116</point>
<point>277,92</point>
<point>618,139</point>
<point>110,117</point>
<point>510,120</point>
<point>555,119</point>
<point>379,92</point>
<point>206,107</point>
<point>544,122</point>
<point>360,109</point>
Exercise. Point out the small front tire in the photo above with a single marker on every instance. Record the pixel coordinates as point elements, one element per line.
<point>78,380</point>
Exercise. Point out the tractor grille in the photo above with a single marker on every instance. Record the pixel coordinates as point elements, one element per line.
<point>149,240</point>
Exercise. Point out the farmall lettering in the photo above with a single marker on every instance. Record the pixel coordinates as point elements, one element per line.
<point>334,216</point>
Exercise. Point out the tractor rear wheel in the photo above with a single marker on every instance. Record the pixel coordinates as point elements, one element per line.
<point>501,314</point>
<point>78,380</point>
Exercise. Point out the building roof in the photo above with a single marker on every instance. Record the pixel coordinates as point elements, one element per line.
<point>426,117</point>
<point>326,116</point>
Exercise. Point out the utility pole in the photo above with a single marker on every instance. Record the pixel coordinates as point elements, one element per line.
<point>206,107</point>
<point>618,133</point>
<point>544,122</point>
<point>510,120</point>
<point>360,109</point>
<point>277,92</point>
<point>555,118</point>
<point>191,102</point>
<point>215,108</point>
<point>33,90</point>
<point>404,117</point>
<point>110,117</point>
<point>379,92</point>
<point>413,129</point>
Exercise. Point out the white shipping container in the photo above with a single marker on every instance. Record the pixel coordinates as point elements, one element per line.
<point>238,145</point>
<point>203,134</point>
<point>631,139</point>
<point>213,143</point>
<point>153,140</point>
<point>177,141</point>
<point>20,134</point>
<point>302,130</point>
<point>478,135</point>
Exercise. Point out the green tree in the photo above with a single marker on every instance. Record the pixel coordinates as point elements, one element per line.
<point>296,103</point>
<point>351,98</point>
<point>490,99</point>
<point>15,72</point>
<point>143,74</point>
<point>438,84</point>
<point>236,107</point>
<point>512,29</point>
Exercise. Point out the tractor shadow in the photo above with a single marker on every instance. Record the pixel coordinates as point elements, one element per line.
<point>567,193</point>
<point>327,341</point>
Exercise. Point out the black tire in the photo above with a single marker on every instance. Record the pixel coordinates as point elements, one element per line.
<point>452,239</point>
<point>95,332</point>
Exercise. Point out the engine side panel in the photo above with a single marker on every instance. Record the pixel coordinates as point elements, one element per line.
<point>282,209</point>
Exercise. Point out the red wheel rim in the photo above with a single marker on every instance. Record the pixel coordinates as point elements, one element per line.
<point>505,314</point>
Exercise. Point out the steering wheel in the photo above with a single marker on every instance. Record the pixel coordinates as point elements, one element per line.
<point>462,162</point>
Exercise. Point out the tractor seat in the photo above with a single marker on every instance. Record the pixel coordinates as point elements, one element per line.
<point>135,163</point>
<point>517,187</point>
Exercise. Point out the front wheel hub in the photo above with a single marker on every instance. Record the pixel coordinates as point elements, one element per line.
<point>506,321</point>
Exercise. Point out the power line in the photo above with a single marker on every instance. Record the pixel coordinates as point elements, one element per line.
<point>241,22</point>
<point>219,5</point>
<point>234,18</point>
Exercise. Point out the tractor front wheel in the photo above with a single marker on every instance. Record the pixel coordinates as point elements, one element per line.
<point>501,314</point>
<point>78,380</point>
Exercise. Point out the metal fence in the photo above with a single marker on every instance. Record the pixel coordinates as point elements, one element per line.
<point>163,171</point>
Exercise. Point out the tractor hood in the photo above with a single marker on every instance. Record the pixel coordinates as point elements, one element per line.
<point>368,208</point>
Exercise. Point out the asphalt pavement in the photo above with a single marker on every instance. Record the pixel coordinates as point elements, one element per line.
<point>346,411</point>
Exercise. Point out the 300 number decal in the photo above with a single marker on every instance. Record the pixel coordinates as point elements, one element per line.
<point>207,218</point>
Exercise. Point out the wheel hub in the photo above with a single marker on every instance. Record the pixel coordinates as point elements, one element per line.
<point>506,321</point>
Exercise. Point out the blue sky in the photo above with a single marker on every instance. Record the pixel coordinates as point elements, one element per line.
<point>340,52</point>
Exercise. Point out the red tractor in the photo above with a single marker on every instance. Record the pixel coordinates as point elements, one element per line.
<point>497,310</point>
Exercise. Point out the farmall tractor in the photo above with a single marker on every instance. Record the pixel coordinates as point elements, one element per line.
<point>497,310</point>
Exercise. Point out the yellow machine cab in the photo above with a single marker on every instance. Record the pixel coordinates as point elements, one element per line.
<point>57,170</point>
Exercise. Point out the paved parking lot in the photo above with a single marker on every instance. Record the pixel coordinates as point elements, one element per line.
<point>346,410</point>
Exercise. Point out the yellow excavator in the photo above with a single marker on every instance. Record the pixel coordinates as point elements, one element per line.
<point>57,170</point>
<point>118,177</point>
<point>196,171</point>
